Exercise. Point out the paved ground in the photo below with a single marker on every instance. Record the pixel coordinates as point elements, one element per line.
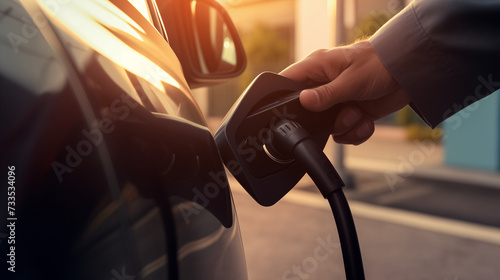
<point>416,218</point>
<point>297,239</point>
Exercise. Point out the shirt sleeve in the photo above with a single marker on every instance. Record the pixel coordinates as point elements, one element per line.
<point>444,53</point>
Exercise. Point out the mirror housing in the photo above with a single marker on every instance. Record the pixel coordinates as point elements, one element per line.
<point>204,39</point>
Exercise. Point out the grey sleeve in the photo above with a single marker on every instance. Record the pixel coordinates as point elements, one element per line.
<point>444,53</point>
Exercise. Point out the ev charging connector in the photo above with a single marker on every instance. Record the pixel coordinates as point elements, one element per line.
<point>268,141</point>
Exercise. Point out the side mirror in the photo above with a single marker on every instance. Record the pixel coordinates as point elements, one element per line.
<point>204,39</point>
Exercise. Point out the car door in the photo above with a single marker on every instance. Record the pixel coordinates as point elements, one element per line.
<point>116,175</point>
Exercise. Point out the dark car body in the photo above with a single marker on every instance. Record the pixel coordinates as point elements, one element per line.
<point>108,168</point>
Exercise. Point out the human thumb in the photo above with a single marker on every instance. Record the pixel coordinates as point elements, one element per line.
<point>339,90</point>
<point>319,98</point>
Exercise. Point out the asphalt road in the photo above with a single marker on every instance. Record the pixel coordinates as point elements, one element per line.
<point>426,231</point>
<point>428,222</point>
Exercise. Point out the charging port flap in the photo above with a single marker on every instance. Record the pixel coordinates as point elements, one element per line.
<point>244,132</point>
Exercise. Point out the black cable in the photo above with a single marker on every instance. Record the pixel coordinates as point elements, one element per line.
<point>167,214</point>
<point>351,253</point>
<point>291,140</point>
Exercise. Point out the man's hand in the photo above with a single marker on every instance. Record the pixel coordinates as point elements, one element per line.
<point>354,76</point>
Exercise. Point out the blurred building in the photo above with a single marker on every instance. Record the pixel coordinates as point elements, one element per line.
<point>276,33</point>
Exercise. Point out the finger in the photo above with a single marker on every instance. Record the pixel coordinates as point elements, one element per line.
<point>359,134</point>
<point>341,89</point>
<point>347,119</point>
<point>296,71</point>
<point>308,70</point>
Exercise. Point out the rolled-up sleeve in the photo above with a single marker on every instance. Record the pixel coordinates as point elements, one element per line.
<point>444,53</point>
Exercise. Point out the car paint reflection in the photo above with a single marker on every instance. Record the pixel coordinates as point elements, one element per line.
<point>95,221</point>
<point>92,22</point>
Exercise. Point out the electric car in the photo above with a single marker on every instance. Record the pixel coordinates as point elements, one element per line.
<point>108,168</point>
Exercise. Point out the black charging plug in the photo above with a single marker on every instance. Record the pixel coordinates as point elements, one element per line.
<point>291,141</point>
<point>242,136</point>
<point>268,141</point>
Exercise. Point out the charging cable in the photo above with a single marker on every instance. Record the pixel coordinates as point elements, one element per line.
<point>292,142</point>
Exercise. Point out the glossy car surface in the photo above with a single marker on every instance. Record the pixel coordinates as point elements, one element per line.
<point>116,175</point>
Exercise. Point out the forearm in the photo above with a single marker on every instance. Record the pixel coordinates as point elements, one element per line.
<point>445,54</point>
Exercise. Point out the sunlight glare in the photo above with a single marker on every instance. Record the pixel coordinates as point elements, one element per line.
<point>90,20</point>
